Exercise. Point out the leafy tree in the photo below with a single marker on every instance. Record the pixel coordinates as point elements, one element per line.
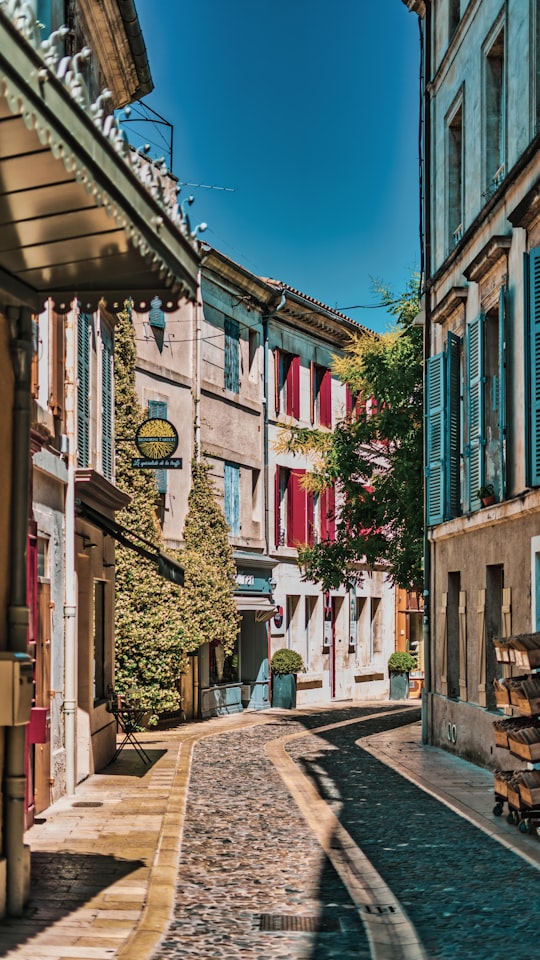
<point>151,641</point>
<point>374,456</point>
<point>158,623</point>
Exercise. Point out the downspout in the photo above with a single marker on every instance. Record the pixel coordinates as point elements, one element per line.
<point>20,321</point>
<point>425,40</point>
<point>70,594</point>
<point>197,386</point>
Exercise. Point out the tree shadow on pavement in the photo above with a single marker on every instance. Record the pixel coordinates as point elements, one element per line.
<point>63,883</point>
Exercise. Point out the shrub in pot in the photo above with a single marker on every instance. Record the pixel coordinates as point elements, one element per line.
<point>284,665</point>
<point>399,664</point>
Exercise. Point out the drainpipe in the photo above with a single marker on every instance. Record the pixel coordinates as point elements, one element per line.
<point>265,318</point>
<point>197,307</point>
<point>70,590</point>
<point>20,322</point>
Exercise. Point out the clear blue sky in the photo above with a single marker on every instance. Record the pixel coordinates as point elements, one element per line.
<point>309,110</point>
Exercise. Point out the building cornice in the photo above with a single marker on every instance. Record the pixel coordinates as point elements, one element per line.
<point>494,250</point>
<point>449,304</point>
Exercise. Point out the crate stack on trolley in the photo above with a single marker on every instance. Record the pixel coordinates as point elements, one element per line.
<point>518,693</point>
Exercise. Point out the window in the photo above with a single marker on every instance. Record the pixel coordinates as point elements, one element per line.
<point>293,604</point>
<point>232,359</point>
<point>43,557</point>
<point>232,497</point>
<point>83,389</point>
<point>293,509</point>
<point>107,401</point>
<point>443,405</point>
<point>321,395</point>
<point>287,375</point>
<point>253,352</point>
<point>375,634</point>
<point>495,110</point>
<point>455,176</point>
<point>256,496</point>
<point>310,621</point>
<point>157,409</point>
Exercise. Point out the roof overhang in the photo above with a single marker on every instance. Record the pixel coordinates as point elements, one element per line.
<point>76,222</point>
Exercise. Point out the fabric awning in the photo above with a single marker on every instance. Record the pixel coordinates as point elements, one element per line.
<point>262,607</point>
<point>81,214</point>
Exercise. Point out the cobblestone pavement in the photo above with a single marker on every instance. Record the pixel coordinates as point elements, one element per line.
<point>249,859</point>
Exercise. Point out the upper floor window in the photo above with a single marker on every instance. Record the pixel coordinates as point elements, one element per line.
<point>293,509</point>
<point>533,419</point>
<point>321,395</point>
<point>287,376</point>
<point>107,405</point>
<point>495,113</point>
<point>455,181</point>
<point>232,358</point>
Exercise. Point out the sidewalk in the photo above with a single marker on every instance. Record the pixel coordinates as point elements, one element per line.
<point>104,862</point>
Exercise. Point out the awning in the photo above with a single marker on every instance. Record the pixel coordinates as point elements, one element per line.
<point>262,607</point>
<point>81,214</point>
<point>167,567</point>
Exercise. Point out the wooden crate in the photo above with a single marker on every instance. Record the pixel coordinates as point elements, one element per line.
<point>512,796</point>
<point>502,694</point>
<point>529,708</point>
<point>527,751</point>
<point>501,739</point>
<point>500,786</point>
<point>528,659</point>
<point>530,795</point>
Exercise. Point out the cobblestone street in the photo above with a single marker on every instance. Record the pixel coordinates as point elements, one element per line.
<point>250,861</point>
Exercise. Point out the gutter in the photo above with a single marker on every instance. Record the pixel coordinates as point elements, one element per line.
<point>137,47</point>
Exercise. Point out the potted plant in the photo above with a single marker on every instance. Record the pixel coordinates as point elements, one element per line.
<point>400,663</point>
<point>284,665</point>
<point>487,495</point>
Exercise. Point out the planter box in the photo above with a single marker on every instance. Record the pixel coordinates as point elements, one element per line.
<point>399,686</point>
<point>284,691</point>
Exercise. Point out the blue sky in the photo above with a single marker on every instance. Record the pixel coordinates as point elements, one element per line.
<point>309,110</point>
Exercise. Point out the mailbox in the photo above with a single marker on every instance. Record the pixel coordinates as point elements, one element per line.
<point>16,688</point>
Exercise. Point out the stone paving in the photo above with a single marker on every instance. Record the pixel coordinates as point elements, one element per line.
<point>247,852</point>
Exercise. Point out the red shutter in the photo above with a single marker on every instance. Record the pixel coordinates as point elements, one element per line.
<point>293,388</point>
<point>296,509</point>
<point>310,515</point>
<point>32,581</point>
<point>277,505</point>
<point>325,400</point>
<point>328,509</point>
<point>277,379</point>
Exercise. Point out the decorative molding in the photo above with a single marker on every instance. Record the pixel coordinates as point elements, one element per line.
<point>454,299</point>
<point>496,248</point>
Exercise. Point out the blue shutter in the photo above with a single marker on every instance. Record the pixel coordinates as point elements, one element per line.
<point>475,410</point>
<point>435,396</point>
<point>107,405</point>
<point>534,365</point>
<point>232,366</point>
<point>453,422</point>
<point>158,409</point>
<point>232,497</point>
<point>83,390</point>
<point>156,317</point>
<point>501,393</point>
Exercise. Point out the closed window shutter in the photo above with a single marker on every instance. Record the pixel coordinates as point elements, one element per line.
<point>501,396</point>
<point>325,400</point>
<point>310,517</point>
<point>296,510</point>
<point>534,355</point>
<point>475,384</point>
<point>349,400</point>
<point>435,393</point>
<point>158,409</point>
<point>293,388</point>
<point>232,366</point>
<point>83,389</point>
<point>107,406</point>
<point>453,408</point>
<point>232,497</point>
<point>56,399</point>
<point>277,506</point>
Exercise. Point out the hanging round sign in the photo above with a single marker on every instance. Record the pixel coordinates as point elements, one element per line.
<point>156,438</point>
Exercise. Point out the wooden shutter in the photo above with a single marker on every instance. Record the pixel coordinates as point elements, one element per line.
<point>310,517</point>
<point>435,383</point>
<point>107,455</point>
<point>158,409</point>
<point>534,365</point>
<point>501,393</point>
<point>462,645</point>
<point>293,387</point>
<point>232,365</point>
<point>325,399</point>
<point>277,380</point>
<point>444,645</point>
<point>481,611</point>
<point>83,389</point>
<point>349,400</point>
<point>58,367</point>
<point>452,425</point>
<point>506,612</point>
<point>232,497</point>
<point>277,507</point>
<point>296,509</point>
<point>475,410</point>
